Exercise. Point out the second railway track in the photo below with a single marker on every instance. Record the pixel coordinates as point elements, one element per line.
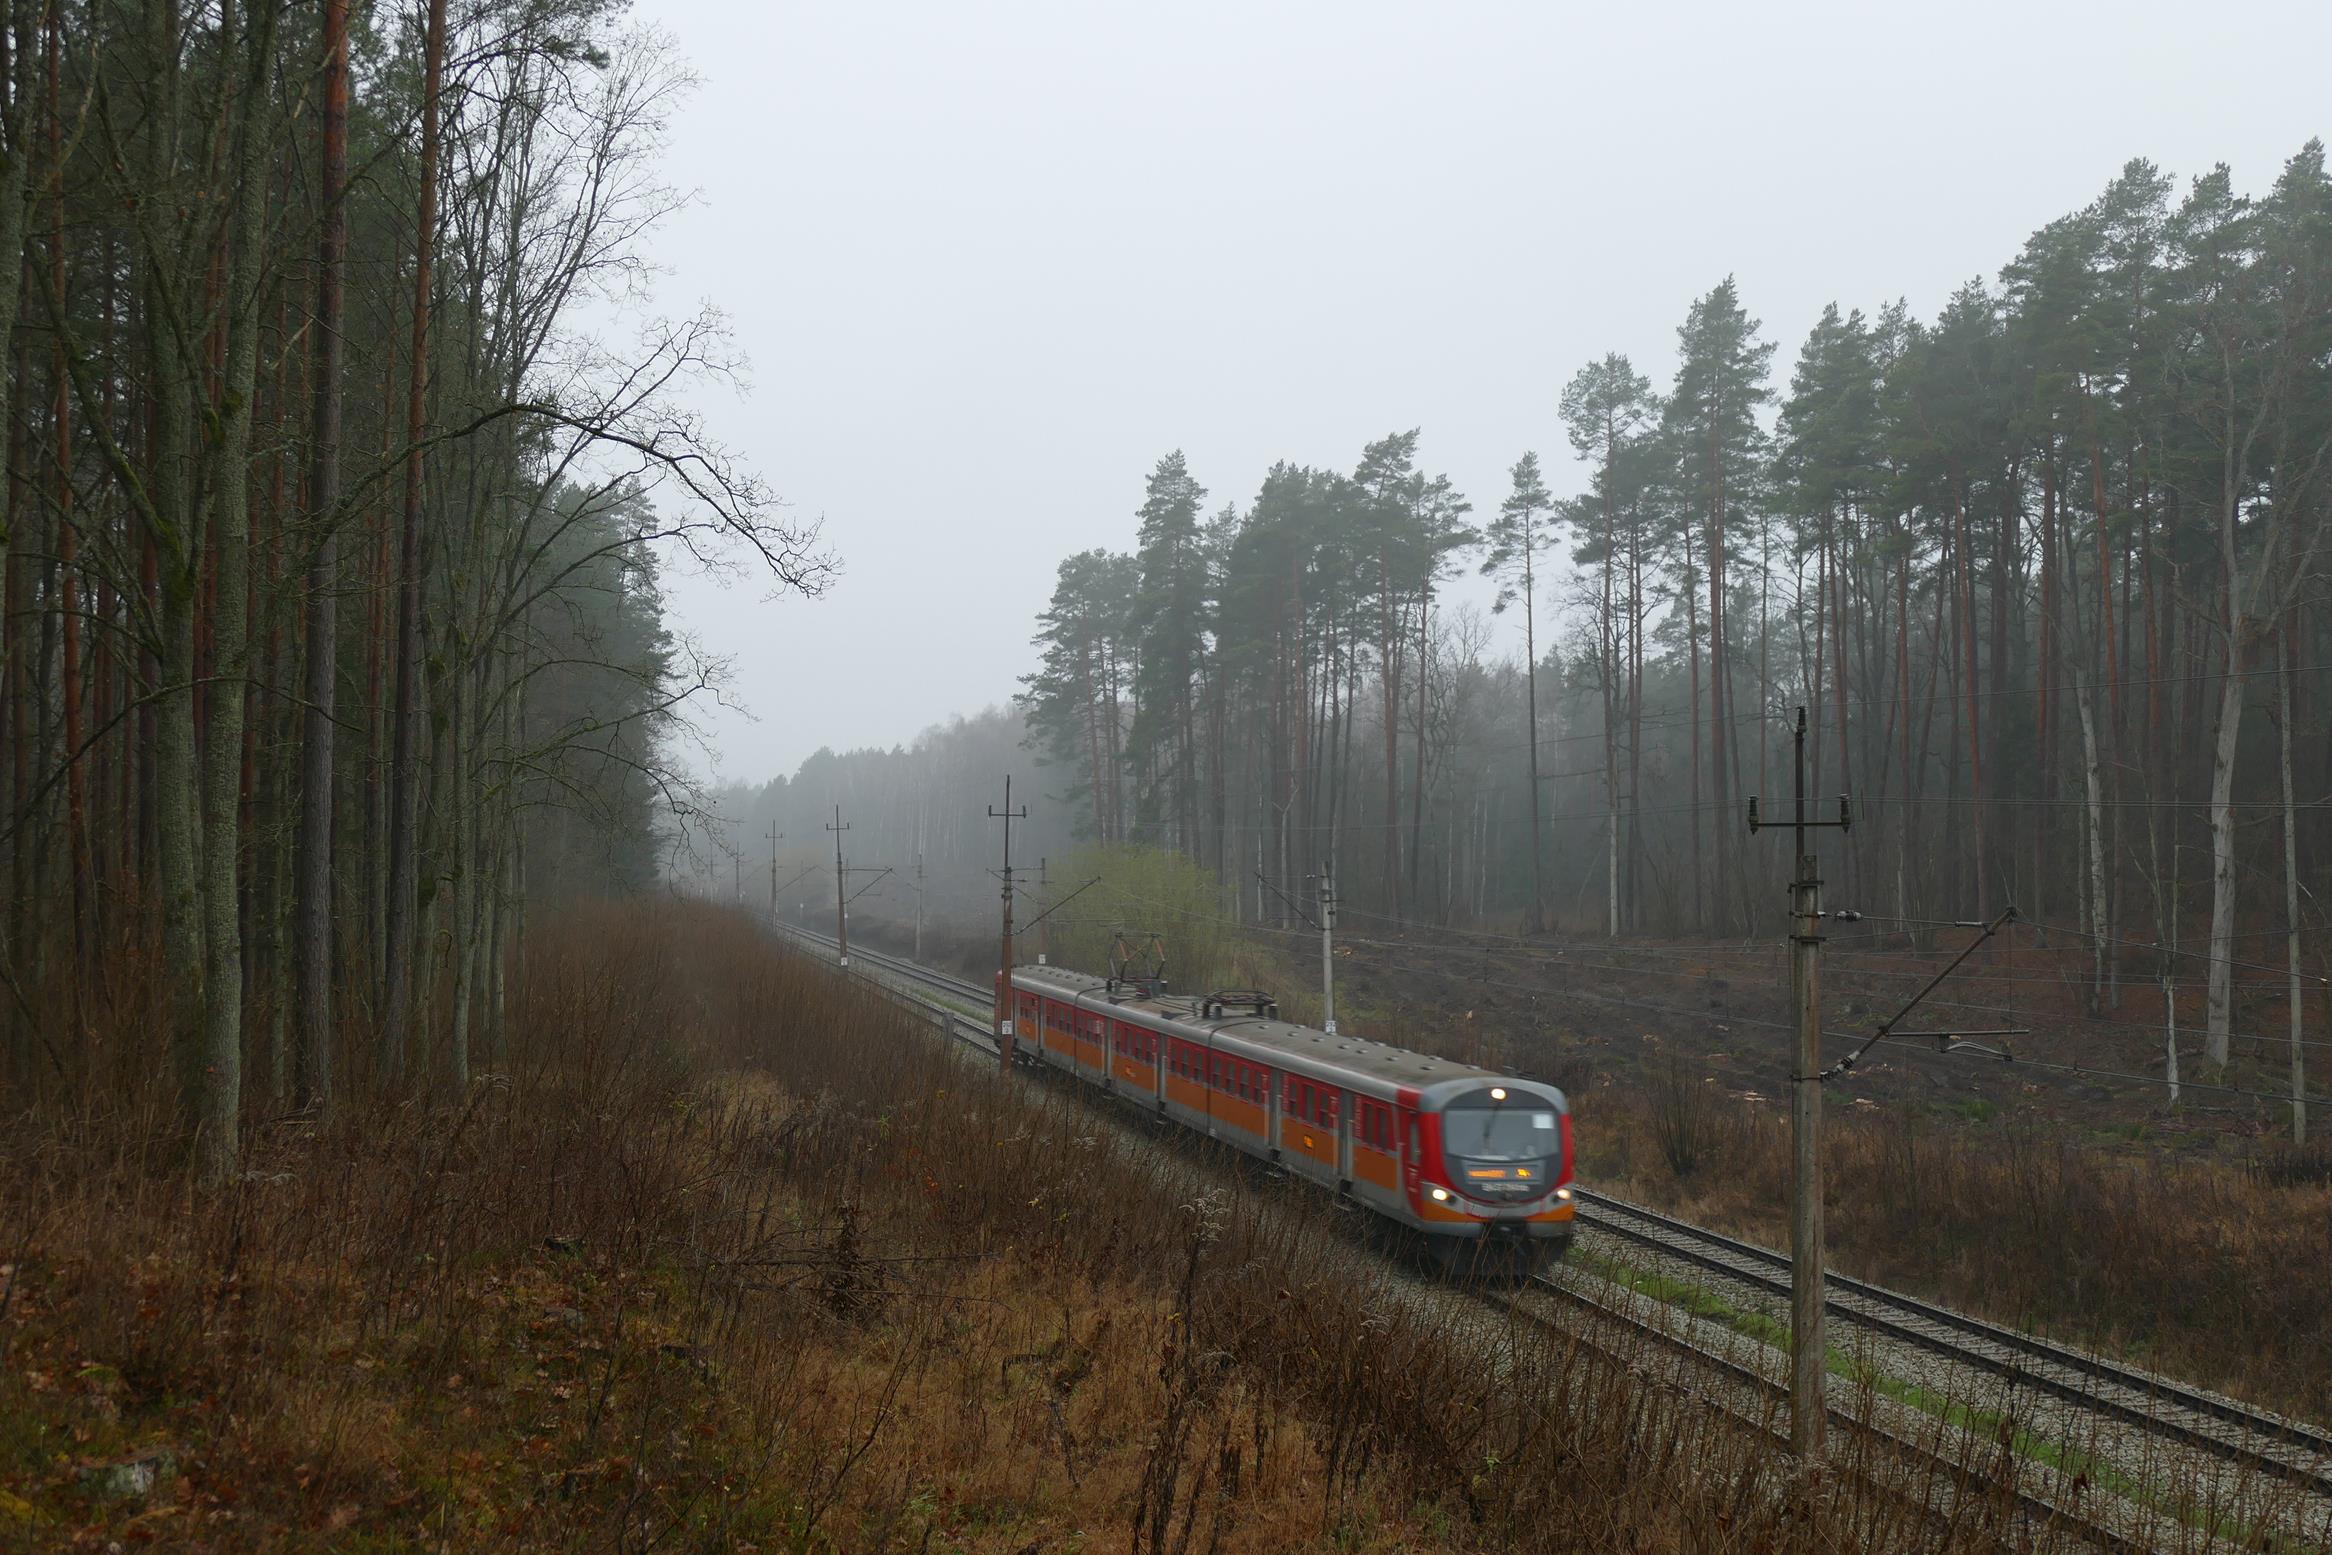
<point>2190,1420</point>
<point>2250,1438</point>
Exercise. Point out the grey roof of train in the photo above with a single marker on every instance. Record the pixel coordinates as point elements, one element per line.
<point>1379,1061</point>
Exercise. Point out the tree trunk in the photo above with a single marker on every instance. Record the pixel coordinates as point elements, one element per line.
<point>2291,892</point>
<point>220,1097</point>
<point>312,912</point>
<point>405,775</point>
<point>2092,769</point>
<point>1417,777</point>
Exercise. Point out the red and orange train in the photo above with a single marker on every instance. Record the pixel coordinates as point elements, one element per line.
<point>1468,1159</point>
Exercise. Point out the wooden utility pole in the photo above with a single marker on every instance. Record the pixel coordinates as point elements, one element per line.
<point>1044,933</point>
<point>918,906</point>
<point>1808,1344</point>
<point>1004,956</point>
<point>841,901</point>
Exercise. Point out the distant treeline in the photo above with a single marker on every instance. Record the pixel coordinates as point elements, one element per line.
<point>2046,572</point>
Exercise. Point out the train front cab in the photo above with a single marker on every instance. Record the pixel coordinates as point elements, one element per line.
<point>1490,1161</point>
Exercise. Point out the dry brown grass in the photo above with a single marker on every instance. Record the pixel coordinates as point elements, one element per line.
<point>2216,1272</point>
<point>734,1257</point>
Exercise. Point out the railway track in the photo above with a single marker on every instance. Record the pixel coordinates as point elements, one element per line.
<point>2248,1438</point>
<point>2191,1421</point>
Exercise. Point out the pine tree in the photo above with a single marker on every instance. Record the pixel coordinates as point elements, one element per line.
<point>1516,538</point>
<point>1606,409</point>
<point>1170,623</point>
<point>1716,446</point>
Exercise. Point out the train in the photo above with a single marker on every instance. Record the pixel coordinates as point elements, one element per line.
<point>1470,1166</point>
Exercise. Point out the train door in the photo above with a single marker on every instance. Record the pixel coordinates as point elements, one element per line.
<point>1345,1105</point>
<point>1412,1154</point>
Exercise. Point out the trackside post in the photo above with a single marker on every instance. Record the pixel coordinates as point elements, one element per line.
<point>1004,956</point>
<point>1808,1342</point>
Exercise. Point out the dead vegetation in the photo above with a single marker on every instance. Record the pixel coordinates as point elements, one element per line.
<point>2217,1272</point>
<point>729,1256</point>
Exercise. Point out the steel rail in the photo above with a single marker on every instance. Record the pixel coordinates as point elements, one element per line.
<point>2037,1504</point>
<point>2251,1438</point>
<point>1676,1238</point>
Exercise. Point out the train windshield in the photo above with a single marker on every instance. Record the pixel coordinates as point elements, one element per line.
<point>1513,1133</point>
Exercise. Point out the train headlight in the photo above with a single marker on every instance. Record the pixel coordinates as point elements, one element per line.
<point>1563,1194</point>
<point>1440,1195</point>
<point>1497,1093</point>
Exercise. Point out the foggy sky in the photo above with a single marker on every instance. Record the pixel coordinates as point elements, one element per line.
<point>991,260</point>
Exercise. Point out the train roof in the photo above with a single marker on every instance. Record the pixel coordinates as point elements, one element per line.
<point>1298,1047</point>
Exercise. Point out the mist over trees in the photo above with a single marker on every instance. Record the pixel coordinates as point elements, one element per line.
<point>343,447</point>
<point>2046,571</point>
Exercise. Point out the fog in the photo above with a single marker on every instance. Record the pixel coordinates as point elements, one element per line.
<point>991,261</point>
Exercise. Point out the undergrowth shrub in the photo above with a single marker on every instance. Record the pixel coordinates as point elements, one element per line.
<point>733,1255</point>
<point>2218,1272</point>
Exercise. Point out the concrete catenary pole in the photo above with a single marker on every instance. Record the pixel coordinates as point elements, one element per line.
<point>1808,1341</point>
<point>775,838</point>
<point>841,899</point>
<point>1328,949</point>
<point>1004,1034</point>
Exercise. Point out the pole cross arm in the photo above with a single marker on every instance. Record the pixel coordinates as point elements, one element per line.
<point>1845,821</point>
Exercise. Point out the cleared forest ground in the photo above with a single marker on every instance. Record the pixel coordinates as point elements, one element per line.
<point>2189,1238</point>
<point>727,1257</point>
